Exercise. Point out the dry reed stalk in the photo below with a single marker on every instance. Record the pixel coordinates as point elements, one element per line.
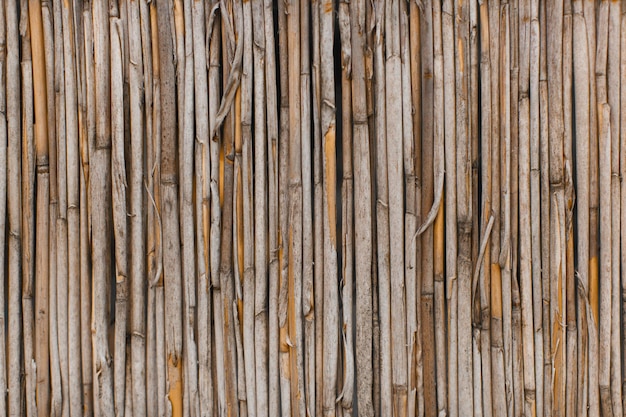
<point>363,214</point>
<point>570,298</point>
<point>382,213</point>
<point>273,212</point>
<point>308,341</point>
<point>613,80</point>
<point>557,177</point>
<point>581,97</point>
<point>86,144</point>
<point>283,204</point>
<point>120,221</point>
<point>186,200</point>
<point>464,213</point>
<point>622,161</point>
<point>413,245</point>
<point>394,126</point>
<point>202,192</point>
<point>490,297</point>
<point>450,204</point>
<point>347,210</point>
<point>169,187</point>
<point>3,211</point>
<point>100,193</point>
<point>137,268</point>
<point>73,211</point>
<point>424,199</point>
<point>314,397</point>
<point>245,216</point>
<point>260,211</point>
<point>28,215</point>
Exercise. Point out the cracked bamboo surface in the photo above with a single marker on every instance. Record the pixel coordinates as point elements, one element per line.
<point>312,208</point>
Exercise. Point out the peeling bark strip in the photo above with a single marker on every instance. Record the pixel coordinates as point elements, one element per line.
<point>312,208</point>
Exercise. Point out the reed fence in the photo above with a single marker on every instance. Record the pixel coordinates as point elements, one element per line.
<point>312,208</point>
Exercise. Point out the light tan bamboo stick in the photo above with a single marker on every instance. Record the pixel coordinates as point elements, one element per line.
<point>622,161</point>
<point>315,397</point>
<point>120,221</point>
<point>362,207</point>
<point>328,130</point>
<point>613,80</point>
<point>260,211</point>
<point>510,275</point>
<point>212,208</point>
<point>294,243</point>
<point>396,217</point>
<point>604,158</point>
<point>438,231</point>
<point>28,215</point>
<point>273,211</point>
<point>525,256</point>
<point>283,204</point>
<point>60,221</point>
<point>87,143</point>
<point>55,79</point>
<point>270,396</point>
<point>308,295</point>
<point>202,192</point>
<point>73,212</point>
<point>153,247</point>
<point>554,50</point>
<point>246,216</point>
<point>413,245</point>
<point>137,268</point>
<point>382,212</point>
<point>450,204</point>
<point>571,359</point>
<point>581,97</point>
<point>464,213</point>
<point>186,154</point>
<point>511,312</point>
<point>171,243</point>
<point>490,297</point>
<point>347,213</point>
<point>100,192</point>
<point>424,199</point>
<point>531,92</point>
<point>3,208</point>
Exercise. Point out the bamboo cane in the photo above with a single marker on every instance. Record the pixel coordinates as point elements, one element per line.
<point>347,211</point>
<point>73,215</point>
<point>283,204</point>
<point>614,103</point>
<point>3,210</point>
<point>622,160</point>
<point>120,221</point>
<point>413,245</point>
<point>273,211</point>
<point>260,211</point>
<point>362,212</point>
<point>28,213</point>
<point>466,395</point>
<point>87,142</point>
<point>581,97</point>
<point>450,204</point>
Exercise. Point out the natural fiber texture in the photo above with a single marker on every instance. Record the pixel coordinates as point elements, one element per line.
<point>319,208</point>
